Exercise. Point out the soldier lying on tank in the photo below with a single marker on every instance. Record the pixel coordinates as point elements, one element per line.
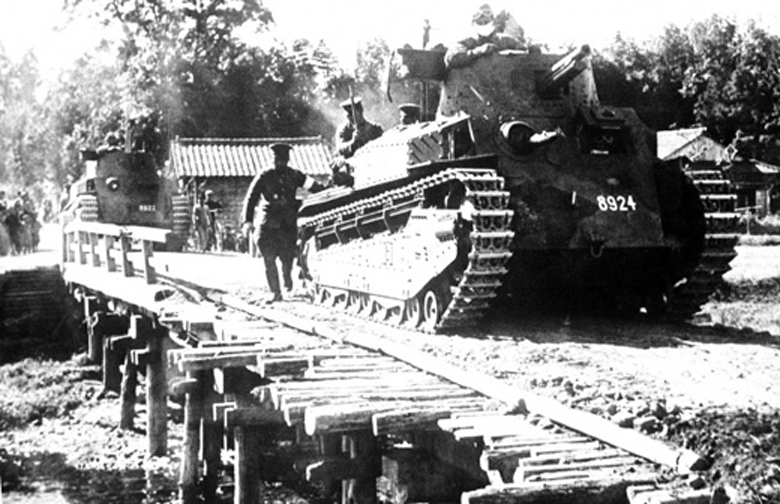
<point>487,39</point>
<point>278,230</point>
<point>352,135</point>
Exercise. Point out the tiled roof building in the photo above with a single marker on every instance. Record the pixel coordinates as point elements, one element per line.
<point>227,165</point>
<point>245,157</point>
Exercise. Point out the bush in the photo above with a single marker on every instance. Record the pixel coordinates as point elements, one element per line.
<point>34,389</point>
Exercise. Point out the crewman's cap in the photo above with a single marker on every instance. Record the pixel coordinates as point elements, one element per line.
<point>347,104</point>
<point>281,148</point>
<point>209,192</point>
<point>483,16</point>
<point>409,108</point>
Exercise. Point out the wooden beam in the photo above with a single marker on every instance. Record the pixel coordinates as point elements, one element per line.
<point>128,394</point>
<point>342,417</point>
<point>156,394</point>
<point>193,410</point>
<point>127,265</point>
<point>563,492</point>
<point>253,416</point>
<point>150,275</point>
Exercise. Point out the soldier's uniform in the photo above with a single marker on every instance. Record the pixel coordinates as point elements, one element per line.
<point>347,139</point>
<point>486,40</point>
<point>278,230</point>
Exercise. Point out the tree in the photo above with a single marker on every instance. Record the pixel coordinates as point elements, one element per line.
<point>737,86</point>
<point>23,137</point>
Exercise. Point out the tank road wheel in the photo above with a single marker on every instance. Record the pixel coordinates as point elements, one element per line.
<point>432,309</point>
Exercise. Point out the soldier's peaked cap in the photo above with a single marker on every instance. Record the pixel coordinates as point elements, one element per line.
<point>281,148</point>
<point>347,104</point>
<point>485,13</point>
<point>409,107</point>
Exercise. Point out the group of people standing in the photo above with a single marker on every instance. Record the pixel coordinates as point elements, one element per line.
<point>19,225</point>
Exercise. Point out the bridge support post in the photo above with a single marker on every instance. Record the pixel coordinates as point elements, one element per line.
<point>114,350</point>
<point>211,440</point>
<point>156,393</point>
<point>193,411</point>
<point>94,345</point>
<point>127,394</point>
<point>361,489</point>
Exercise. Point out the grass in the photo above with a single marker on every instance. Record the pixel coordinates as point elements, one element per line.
<point>34,389</point>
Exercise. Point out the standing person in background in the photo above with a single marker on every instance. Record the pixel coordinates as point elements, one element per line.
<point>213,207</point>
<point>278,230</point>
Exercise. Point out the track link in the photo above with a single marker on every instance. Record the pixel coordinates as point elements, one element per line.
<point>720,239</point>
<point>476,279</point>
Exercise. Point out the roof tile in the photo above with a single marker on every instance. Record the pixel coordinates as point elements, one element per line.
<point>245,157</point>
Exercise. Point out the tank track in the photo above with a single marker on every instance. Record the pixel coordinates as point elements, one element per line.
<point>489,237</point>
<point>720,239</point>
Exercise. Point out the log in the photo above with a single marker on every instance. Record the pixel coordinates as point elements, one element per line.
<point>211,438</point>
<point>112,379</point>
<point>525,472</point>
<point>421,416</point>
<point>221,361</point>
<point>125,246</point>
<point>128,394</point>
<point>108,245</point>
<point>253,416</point>
<point>285,366</point>
<point>342,417</point>
<point>193,408</point>
<point>156,395</point>
<point>334,469</point>
<point>605,490</point>
<point>519,443</point>
<point>361,488</point>
<point>406,419</point>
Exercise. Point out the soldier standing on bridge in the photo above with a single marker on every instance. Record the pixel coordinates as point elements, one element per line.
<point>278,230</point>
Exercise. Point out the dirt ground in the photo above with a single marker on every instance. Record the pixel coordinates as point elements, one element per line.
<point>708,387</point>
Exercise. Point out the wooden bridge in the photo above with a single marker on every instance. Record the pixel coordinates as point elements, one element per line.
<point>288,399</point>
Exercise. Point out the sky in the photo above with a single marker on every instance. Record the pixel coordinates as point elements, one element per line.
<point>344,24</point>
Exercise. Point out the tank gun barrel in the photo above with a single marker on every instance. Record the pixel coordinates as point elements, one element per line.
<point>564,70</point>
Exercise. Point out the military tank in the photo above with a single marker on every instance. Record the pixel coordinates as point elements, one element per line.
<point>524,190</point>
<point>123,186</point>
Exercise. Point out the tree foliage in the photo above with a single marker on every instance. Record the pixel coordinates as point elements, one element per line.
<point>191,62</point>
<point>712,73</point>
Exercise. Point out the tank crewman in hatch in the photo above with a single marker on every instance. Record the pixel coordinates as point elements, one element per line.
<point>487,39</point>
<point>352,135</point>
<point>278,230</point>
